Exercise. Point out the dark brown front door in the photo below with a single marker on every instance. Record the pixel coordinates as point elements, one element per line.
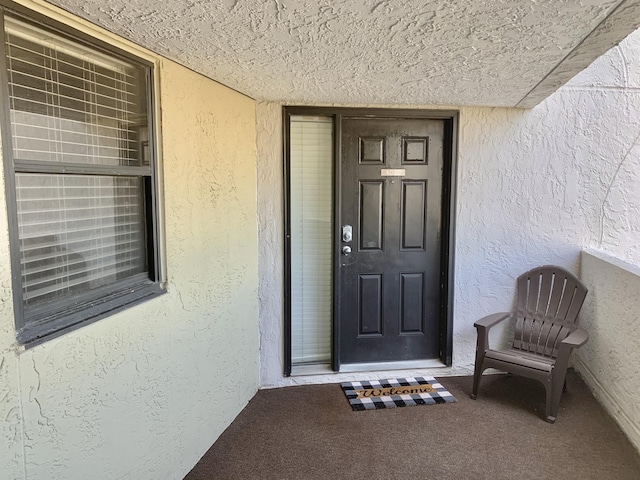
<point>390,244</point>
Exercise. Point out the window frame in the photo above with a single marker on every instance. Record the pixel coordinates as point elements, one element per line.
<point>77,310</point>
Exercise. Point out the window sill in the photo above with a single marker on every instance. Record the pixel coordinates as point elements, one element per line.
<point>44,331</point>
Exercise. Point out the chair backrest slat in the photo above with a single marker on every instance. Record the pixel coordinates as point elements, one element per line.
<point>556,297</point>
<point>545,335</point>
<point>577,301</point>
<point>545,292</point>
<point>549,299</point>
<point>518,340</point>
<point>533,299</point>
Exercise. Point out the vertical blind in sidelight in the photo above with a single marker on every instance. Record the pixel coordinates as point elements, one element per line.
<point>78,121</point>
<point>311,205</point>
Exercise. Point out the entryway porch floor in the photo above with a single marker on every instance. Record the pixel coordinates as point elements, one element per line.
<point>310,432</point>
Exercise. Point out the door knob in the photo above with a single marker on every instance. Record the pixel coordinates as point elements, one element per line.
<point>346,250</point>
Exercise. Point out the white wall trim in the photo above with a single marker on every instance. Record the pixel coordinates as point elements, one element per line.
<point>616,261</point>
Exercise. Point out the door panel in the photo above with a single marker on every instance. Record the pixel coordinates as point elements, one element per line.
<point>371,215</point>
<point>389,283</point>
<point>414,199</point>
<point>371,150</point>
<point>370,303</point>
<point>412,293</point>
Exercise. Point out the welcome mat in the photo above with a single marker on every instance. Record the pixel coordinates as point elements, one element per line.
<point>395,392</point>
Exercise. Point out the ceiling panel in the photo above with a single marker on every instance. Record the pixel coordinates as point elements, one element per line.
<point>453,52</point>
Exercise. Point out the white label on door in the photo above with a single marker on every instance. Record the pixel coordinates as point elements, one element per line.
<point>393,172</point>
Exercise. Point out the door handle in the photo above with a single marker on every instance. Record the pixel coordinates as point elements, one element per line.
<point>346,250</point>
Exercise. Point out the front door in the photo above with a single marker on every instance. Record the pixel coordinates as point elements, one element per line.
<point>389,250</point>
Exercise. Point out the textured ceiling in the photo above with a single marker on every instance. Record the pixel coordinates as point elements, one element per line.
<point>447,52</point>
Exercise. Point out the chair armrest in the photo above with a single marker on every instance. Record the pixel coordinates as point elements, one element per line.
<point>483,325</point>
<point>491,320</point>
<point>577,339</point>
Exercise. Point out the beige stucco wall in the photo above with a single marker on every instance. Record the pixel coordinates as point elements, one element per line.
<point>610,361</point>
<point>142,394</point>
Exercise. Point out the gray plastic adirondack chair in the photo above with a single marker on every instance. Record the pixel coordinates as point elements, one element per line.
<point>548,302</point>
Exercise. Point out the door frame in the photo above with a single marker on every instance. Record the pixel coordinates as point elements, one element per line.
<point>449,174</point>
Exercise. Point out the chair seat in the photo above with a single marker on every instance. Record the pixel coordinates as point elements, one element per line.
<point>519,357</point>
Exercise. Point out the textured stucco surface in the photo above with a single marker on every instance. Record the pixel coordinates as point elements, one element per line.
<point>11,432</point>
<point>610,361</point>
<point>271,231</point>
<point>208,135</point>
<point>446,52</point>
<point>607,33</point>
<point>534,187</point>
<point>144,393</point>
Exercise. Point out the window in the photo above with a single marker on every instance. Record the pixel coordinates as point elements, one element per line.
<point>311,217</point>
<point>80,179</point>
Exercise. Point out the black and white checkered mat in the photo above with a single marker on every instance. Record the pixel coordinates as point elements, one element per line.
<point>396,392</point>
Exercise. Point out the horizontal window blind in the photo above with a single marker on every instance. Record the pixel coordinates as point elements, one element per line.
<point>83,176</point>
<point>78,233</point>
<point>311,205</point>
<point>71,104</point>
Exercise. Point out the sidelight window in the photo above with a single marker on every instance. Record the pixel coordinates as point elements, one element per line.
<point>311,214</point>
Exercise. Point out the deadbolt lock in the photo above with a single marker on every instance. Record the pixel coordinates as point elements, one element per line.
<point>347,233</point>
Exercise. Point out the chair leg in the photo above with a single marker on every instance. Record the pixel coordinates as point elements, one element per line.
<point>557,386</point>
<point>477,374</point>
<point>549,417</point>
